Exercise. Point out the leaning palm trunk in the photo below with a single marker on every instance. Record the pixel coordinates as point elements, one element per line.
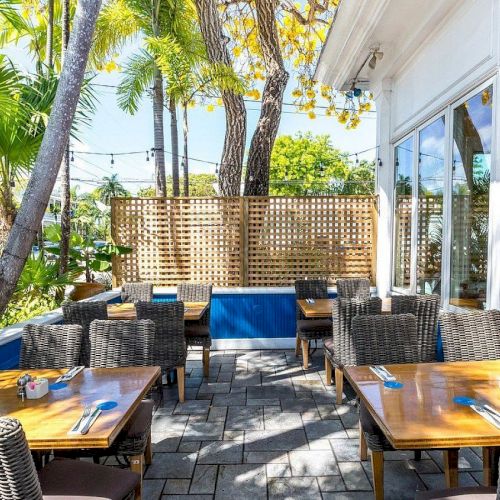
<point>65,169</point>
<point>259,156</point>
<point>50,154</point>
<point>174,139</point>
<point>7,210</point>
<point>234,142</point>
<point>185,159</point>
<point>161,188</point>
<point>49,48</point>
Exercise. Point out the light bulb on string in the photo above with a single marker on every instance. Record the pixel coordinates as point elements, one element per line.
<point>379,162</point>
<point>72,157</point>
<point>112,159</point>
<point>147,155</point>
<point>216,168</point>
<point>357,159</point>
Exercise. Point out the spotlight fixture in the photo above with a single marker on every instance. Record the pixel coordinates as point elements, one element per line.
<point>376,56</point>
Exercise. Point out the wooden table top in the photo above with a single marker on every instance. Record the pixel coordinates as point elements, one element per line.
<point>322,308</point>
<point>422,414</point>
<point>126,310</point>
<point>46,421</point>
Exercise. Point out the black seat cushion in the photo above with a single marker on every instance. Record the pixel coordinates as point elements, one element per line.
<point>465,493</point>
<point>375,438</point>
<point>197,330</point>
<point>77,480</point>
<point>314,325</point>
<point>140,422</point>
<point>328,345</point>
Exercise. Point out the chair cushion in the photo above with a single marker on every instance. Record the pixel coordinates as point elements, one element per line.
<point>77,480</point>
<point>140,422</point>
<point>197,331</point>
<point>375,438</point>
<point>465,493</point>
<point>328,344</point>
<point>314,325</point>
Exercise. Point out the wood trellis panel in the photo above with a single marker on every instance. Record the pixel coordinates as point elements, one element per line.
<point>256,241</point>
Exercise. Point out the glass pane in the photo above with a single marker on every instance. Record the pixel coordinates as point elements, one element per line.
<point>430,206</point>
<point>472,132</point>
<point>402,213</point>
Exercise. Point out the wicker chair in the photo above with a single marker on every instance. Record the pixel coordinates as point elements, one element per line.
<point>426,310</point>
<point>198,332</point>
<point>127,343</point>
<point>135,292</point>
<point>339,348</point>
<point>309,329</point>
<point>355,288</point>
<point>83,313</point>
<point>60,478</point>
<point>381,340</point>
<point>170,342</point>
<point>50,346</point>
<point>473,336</point>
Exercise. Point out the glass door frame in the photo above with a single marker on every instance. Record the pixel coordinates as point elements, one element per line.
<point>448,114</point>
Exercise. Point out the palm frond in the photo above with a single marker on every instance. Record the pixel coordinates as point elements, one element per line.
<point>138,77</point>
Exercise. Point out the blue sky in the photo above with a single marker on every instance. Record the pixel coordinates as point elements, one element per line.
<point>113,131</point>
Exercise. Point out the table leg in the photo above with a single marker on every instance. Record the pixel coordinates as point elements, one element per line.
<point>451,467</point>
<point>363,448</point>
<point>206,361</point>
<point>137,465</point>
<point>490,461</point>
<point>297,345</point>
<point>148,453</point>
<point>339,385</point>
<point>180,383</point>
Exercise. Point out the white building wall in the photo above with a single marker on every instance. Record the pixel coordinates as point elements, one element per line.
<point>460,53</point>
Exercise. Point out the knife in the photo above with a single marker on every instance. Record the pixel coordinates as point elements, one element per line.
<point>90,420</point>
<point>388,375</point>
<point>379,373</point>
<point>490,417</point>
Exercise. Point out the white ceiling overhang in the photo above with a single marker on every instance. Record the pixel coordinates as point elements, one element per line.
<point>397,27</point>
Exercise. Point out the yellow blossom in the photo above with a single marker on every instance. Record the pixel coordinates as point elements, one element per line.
<point>311,115</point>
<point>210,108</point>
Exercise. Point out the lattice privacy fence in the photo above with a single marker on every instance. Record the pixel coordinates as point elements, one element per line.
<point>256,241</point>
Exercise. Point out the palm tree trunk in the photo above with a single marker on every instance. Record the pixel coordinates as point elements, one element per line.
<point>49,49</point>
<point>236,118</point>
<point>185,131</point>
<point>259,156</point>
<point>7,206</point>
<point>50,154</point>
<point>65,169</point>
<point>174,139</point>
<point>161,188</point>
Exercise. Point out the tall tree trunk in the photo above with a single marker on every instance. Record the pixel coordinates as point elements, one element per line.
<point>174,139</point>
<point>236,117</point>
<point>64,172</point>
<point>50,154</point>
<point>7,205</point>
<point>185,159</point>
<point>49,48</point>
<point>161,188</point>
<point>259,156</point>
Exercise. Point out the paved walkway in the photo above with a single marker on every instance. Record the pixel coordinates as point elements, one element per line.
<point>261,428</point>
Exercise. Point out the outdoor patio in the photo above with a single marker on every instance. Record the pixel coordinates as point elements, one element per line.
<point>262,427</point>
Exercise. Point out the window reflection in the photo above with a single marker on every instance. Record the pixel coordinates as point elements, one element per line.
<point>472,132</point>
<point>402,213</point>
<point>430,206</point>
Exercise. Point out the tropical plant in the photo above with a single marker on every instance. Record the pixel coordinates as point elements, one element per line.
<point>111,188</point>
<point>51,151</point>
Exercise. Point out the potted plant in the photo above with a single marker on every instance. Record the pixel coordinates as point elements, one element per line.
<point>90,256</point>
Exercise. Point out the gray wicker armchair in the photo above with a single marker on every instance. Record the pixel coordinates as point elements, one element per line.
<point>60,478</point>
<point>339,349</point>
<point>426,310</point>
<point>310,329</point>
<point>473,336</point>
<point>135,292</point>
<point>170,342</point>
<point>381,340</point>
<point>50,346</point>
<point>83,313</point>
<point>198,332</point>
<point>353,288</point>
<point>127,343</point>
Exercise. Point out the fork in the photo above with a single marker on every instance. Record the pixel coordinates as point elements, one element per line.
<point>85,414</point>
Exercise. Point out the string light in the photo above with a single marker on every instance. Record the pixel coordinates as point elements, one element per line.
<point>147,155</point>
<point>112,159</point>
<point>380,162</point>
<point>72,157</point>
<point>357,159</point>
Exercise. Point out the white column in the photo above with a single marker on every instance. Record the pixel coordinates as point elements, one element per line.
<point>385,180</point>
<point>493,299</point>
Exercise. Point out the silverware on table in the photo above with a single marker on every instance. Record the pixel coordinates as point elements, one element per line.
<point>90,420</point>
<point>85,414</point>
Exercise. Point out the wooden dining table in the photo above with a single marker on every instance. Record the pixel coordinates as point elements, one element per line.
<point>424,414</point>
<point>322,308</point>
<point>47,421</point>
<point>193,311</point>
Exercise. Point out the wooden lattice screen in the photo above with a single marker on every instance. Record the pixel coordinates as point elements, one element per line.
<point>256,241</point>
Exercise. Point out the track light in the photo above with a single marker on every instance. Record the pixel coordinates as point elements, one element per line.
<point>376,56</point>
